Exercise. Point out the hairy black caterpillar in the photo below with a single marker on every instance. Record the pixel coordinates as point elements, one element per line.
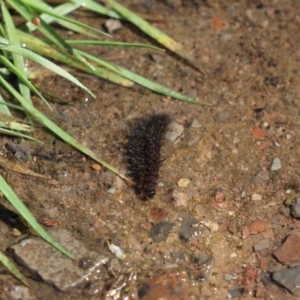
<point>143,152</point>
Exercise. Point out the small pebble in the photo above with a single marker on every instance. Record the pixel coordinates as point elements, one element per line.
<point>245,232</point>
<point>196,124</point>
<point>160,231</point>
<point>178,199</point>
<point>276,164</point>
<point>249,276</point>
<point>268,107</point>
<point>16,232</point>
<point>79,192</point>
<point>261,177</point>
<point>232,228</point>
<point>219,195</point>
<point>262,245</point>
<point>236,293</point>
<point>119,183</point>
<point>295,208</point>
<point>112,25</point>
<point>210,225</point>
<point>116,250</point>
<point>205,267</point>
<point>229,277</point>
<point>166,286</point>
<point>226,37</point>
<point>256,197</point>
<point>156,58</point>
<point>175,132</point>
<point>222,117</point>
<point>258,226</point>
<point>189,227</point>
<point>115,265</point>
<point>111,190</point>
<point>99,224</point>
<point>183,182</point>
<point>158,214</point>
<point>289,97</point>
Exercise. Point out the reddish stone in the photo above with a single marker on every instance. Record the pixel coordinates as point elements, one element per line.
<point>258,133</point>
<point>158,214</point>
<point>232,228</point>
<point>258,226</point>
<point>289,251</point>
<point>168,286</point>
<point>259,293</point>
<point>249,276</point>
<point>220,195</point>
<point>245,232</point>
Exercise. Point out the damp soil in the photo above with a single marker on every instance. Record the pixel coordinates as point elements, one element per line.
<point>218,173</point>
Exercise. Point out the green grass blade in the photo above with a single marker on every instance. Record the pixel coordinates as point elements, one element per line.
<point>123,72</point>
<point>70,140</point>
<point>96,7</point>
<point>17,59</point>
<point>19,206</point>
<point>63,10</point>
<point>44,49</point>
<point>21,76</point>
<point>47,64</point>
<point>12,268</point>
<point>113,44</point>
<point>42,7</point>
<point>13,125</point>
<point>4,108</point>
<point>156,34</point>
<point>46,30</point>
<point>143,81</point>
<point>18,134</point>
<point>57,130</point>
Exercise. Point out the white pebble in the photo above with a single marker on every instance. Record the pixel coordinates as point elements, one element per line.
<point>196,124</point>
<point>210,225</point>
<point>256,197</point>
<point>175,131</point>
<point>276,164</point>
<point>277,144</point>
<point>111,190</point>
<point>116,250</point>
<point>113,25</point>
<point>183,182</point>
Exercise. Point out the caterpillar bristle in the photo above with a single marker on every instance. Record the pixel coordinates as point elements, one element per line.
<point>143,152</point>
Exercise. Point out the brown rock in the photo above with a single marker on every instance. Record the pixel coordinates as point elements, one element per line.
<point>258,226</point>
<point>99,224</point>
<point>158,214</point>
<point>245,232</point>
<point>289,251</point>
<point>232,228</point>
<point>220,195</point>
<point>259,293</point>
<point>168,286</point>
<point>249,276</point>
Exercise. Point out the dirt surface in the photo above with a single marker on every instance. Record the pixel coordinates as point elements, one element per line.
<point>236,162</point>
